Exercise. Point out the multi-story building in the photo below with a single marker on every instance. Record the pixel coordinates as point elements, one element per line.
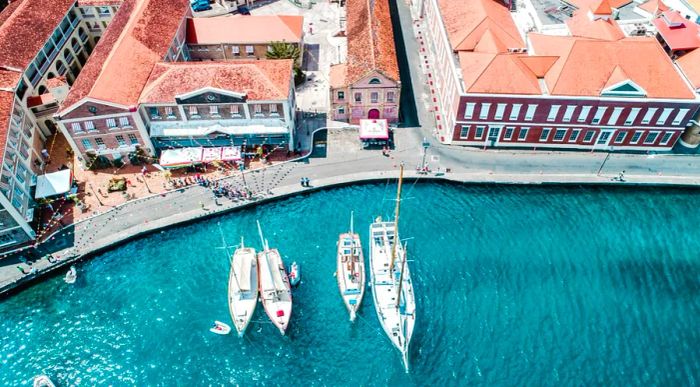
<point>242,37</point>
<point>219,104</point>
<point>595,89</point>
<point>100,117</point>
<point>368,84</point>
<point>43,47</point>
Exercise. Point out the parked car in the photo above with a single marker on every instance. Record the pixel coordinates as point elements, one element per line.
<point>243,10</point>
<point>200,5</point>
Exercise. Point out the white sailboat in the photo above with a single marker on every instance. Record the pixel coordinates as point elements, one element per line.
<point>275,291</point>
<point>243,287</point>
<point>390,278</point>
<point>350,272</point>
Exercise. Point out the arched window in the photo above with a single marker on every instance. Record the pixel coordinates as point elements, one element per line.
<point>60,67</point>
<point>68,56</point>
<point>374,81</point>
<point>50,75</point>
<point>43,90</point>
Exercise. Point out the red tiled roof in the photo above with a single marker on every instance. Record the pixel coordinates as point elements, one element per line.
<point>586,65</point>
<point>338,75</point>
<point>138,37</point>
<point>602,7</point>
<point>484,73</point>
<point>95,3</point>
<point>582,25</point>
<point>370,40</point>
<point>677,32</point>
<point>7,98</point>
<point>245,29</point>
<point>259,79</point>
<point>654,6</point>
<point>25,28</point>
<point>594,5</point>
<point>469,21</point>
<point>40,100</point>
<point>690,64</point>
<point>9,78</point>
<point>55,82</point>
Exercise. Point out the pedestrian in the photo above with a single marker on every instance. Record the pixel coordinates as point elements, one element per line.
<point>21,270</point>
<point>201,204</point>
<point>144,170</point>
<point>302,182</point>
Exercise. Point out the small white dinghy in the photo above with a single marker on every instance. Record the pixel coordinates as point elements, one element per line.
<point>71,276</point>
<point>220,328</point>
<point>43,381</point>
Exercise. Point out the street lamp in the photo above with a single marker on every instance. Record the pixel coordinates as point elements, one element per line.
<point>95,193</point>
<point>426,145</point>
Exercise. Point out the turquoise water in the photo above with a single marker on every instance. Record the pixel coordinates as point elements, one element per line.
<point>515,286</point>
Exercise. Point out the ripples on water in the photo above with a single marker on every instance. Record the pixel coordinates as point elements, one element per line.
<point>515,285</point>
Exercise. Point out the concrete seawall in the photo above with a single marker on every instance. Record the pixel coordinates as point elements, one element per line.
<point>70,255</point>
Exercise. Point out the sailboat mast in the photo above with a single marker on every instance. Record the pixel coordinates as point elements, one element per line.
<point>403,266</point>
<point>352,231</point>
<point>262,239</point>
<point>396,219</point>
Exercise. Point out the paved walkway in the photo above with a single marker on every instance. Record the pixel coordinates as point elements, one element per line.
<point>345,162</point>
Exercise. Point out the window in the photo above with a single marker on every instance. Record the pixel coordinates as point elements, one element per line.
<point>573,137</point>
<point>664,116</point>
<point>615,115</point>
<point>132,139</point>
<point>469,110</point>
<point>588,137</point>
<point>479,132</point>
<point>89,125</point>
<point>559,135</point>
<point>666,138</point>
<point>553,111</point>
<point>249,50</point>
<point>500,108</point>
<point>679,118</point>
<point>583,115</point>
<point>493,132</point>
<point>214,111</point>
<point>374,97</point>
<point>103,11</point>
<point>375,81</point>
<point>523,134</point>
<point>153,111</point>
<point>100,142</point>
<point>341,110</point>
<point>124,122</point>
<point>599,114</point>
<point>632,116</point>
<point>194,112</point>
<point>620,137</point>
<point>464,132</point>
<point>358,97</point>
<point>76,127</point>
<point>390,96</point>
<point>341,95</point>
<point>273,108</point>
<point>236,51</point>
<point>234,111</point>
<point>515,112</point>
<point>569,113</point>
<point>636,136</point>
<point>111,123</point>
<point>509,133</point>
<point>120,140</point>
<point>530,113</point>
<point>545,134</point>
<point>484,112</point>
<point>257,108</point>
<point>169,112</point>
<point>649,115</point>
<point>651,137</point>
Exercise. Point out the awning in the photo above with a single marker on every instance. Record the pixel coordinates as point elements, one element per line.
<point>374,130</point>
<point>211,154</point>
<point>181,157</point>
<point>52,184</point>
<point>230,153</point>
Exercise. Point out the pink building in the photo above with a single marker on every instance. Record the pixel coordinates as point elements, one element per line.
<point>368,85</point>
<point>595,89</point>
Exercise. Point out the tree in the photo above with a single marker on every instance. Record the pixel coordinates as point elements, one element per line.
<point>282,50</point>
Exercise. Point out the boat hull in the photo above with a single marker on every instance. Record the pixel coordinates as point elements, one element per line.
<point>350,272</point>
<point>397,315</point>
<point>243,288</point>
<point>275,290</point>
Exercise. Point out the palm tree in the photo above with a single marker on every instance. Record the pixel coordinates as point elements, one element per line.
<point>282,50</point>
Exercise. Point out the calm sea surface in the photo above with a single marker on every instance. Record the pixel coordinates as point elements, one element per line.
<point>515,286</point>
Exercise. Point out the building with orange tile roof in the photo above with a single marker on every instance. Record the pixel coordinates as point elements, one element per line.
<point>368,85</point>
<point>676,34</point>
<point>220,103</point>
<point>40,43</point>
<point>595,89</point>
<point>242,37</point>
